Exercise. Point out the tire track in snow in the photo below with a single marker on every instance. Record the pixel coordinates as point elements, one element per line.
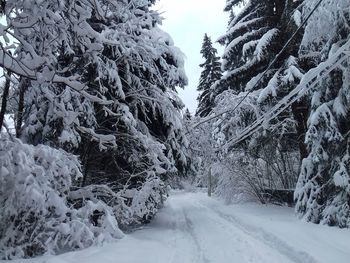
<point>184,233</point>
<point>267,238</point>
<point>190,230</point>
<point>237,246</point>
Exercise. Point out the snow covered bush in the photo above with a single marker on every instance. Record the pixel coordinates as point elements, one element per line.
<point>232,182</point>
<point>246,175</point>
<point>245,171</point>
<point>144,201</point>
<point>36,213</point>
<point>131,206</point>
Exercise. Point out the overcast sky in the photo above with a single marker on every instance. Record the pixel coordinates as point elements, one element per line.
<point>187,21</point>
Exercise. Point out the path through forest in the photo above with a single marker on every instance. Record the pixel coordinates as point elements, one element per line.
<point>193,228</point>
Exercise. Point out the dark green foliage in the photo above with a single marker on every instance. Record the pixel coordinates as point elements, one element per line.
<point>253,38</point>
<point>210,74</point>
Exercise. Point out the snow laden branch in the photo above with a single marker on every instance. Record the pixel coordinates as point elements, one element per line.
<point>308,82</point>
<point>47,76</point>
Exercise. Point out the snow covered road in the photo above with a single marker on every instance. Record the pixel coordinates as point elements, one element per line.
<point>193,228</point>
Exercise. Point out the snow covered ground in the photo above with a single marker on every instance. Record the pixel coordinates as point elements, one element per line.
<point>195,228</point>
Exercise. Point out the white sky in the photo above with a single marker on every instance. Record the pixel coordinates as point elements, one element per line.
<point>187,21</point>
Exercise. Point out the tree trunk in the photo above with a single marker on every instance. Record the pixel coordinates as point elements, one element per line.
<point>4,99</point>
<point>209,182</point>
<point>20,110</point>
<point>300,112</point>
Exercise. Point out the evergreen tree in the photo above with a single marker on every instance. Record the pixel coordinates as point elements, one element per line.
<point>135,140</point>
<point>323,189</point>
<point>210,74</point>
<point>104,90</point>
<point>249,36</point>
<point>253,38</point>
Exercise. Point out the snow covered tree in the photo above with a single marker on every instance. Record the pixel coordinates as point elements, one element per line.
<point>323,189</point>
<point>201,147</point>
<point>317,76</point>
<point>126,121</point>
<point>99,80</point>
<point>288,70</point>
<point>250,42</point>
<point>210,74</point>
<point>253,39</point>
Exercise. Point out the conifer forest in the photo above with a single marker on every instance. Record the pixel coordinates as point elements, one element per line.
<point>101,160</point>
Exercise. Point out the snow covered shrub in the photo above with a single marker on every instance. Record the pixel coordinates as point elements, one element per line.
<point>237,180</point>
<point>254,175</point>
<point>201,150</point>
<point>144,200</point>
<point>131,206</point>
<point>246,171</point>
<point>36,216</point>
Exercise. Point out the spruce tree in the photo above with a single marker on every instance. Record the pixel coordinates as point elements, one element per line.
<point>323,189</point>
<point>210,74</point>
<point>253,38</point>
<point>321,111</point>
<point>100,80</point>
